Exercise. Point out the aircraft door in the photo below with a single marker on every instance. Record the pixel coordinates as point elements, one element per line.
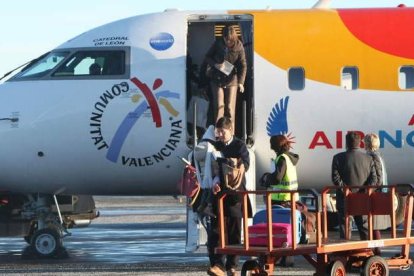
<point>203,30</point>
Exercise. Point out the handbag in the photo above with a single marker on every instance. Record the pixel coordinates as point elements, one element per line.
<point>233,174</point>
<point>189,185</point>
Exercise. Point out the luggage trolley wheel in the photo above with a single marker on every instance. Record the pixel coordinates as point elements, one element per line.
<point>375,265</point>
<point>252,267</point>
<point>336,268</point>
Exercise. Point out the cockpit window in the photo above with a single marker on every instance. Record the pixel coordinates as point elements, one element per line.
<point>93,63</point>
<point>81,63</point>
<point>43,66</point>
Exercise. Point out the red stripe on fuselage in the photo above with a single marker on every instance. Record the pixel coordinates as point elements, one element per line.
<point>388,30</point>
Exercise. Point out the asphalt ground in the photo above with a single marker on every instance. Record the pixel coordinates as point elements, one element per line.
<point>133,236</point>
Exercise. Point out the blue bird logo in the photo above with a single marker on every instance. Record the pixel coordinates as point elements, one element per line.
<point>277,123</point>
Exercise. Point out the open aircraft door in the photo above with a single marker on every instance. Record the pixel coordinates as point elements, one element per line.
<point>203,30</point>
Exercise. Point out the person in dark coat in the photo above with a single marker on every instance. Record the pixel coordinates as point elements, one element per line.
<point>235,153</point>
<point>352,168</point>
<point>226,50</point>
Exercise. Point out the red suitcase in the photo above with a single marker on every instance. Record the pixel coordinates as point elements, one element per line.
<point>282,236</point>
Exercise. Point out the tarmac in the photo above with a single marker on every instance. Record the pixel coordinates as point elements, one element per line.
<point>133,236</point>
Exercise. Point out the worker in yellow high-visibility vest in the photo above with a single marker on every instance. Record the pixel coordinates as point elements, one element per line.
<point>284,177</point>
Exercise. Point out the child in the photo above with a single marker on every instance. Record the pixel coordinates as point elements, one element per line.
<point>205,156</point>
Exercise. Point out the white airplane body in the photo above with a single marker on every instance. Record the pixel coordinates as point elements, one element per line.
<point>67,132</point>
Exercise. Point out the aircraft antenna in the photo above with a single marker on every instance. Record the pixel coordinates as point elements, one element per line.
<point>322,4</point>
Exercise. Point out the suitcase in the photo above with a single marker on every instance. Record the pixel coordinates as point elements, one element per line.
<point>280,214</point>
<point>282,236</point>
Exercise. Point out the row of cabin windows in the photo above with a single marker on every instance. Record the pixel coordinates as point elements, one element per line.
<point>350,78</point>
<point>112,62</point>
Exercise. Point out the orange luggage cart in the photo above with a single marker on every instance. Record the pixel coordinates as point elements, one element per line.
<point>330,256</point>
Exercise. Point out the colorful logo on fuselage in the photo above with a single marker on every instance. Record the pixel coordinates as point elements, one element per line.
<point>277,123</point>
<point>146,99</point>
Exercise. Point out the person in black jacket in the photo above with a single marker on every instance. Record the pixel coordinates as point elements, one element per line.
<point>235,153</point>
<point>352,168</point>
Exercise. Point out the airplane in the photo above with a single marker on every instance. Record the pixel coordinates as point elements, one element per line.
<point>313,74</point>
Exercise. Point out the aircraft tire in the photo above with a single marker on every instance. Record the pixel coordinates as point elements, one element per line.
<point>46,242</point>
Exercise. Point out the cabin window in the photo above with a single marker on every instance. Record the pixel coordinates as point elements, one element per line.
<point>93,63</point>
<point>349,78</point>
<point>296,78</point>
<point>406,77</point>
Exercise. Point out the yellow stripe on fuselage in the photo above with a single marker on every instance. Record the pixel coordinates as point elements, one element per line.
<point>319,42</point>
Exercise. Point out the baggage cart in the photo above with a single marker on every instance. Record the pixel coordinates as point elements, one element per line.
<point>329,255</point>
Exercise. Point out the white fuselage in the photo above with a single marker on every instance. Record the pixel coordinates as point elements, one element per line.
<point>88,136</point>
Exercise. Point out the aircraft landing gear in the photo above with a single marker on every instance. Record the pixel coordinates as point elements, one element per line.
<point>46,242</point>
<point>46,233</point>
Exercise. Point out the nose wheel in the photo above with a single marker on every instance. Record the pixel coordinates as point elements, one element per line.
<point>46,242</point>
